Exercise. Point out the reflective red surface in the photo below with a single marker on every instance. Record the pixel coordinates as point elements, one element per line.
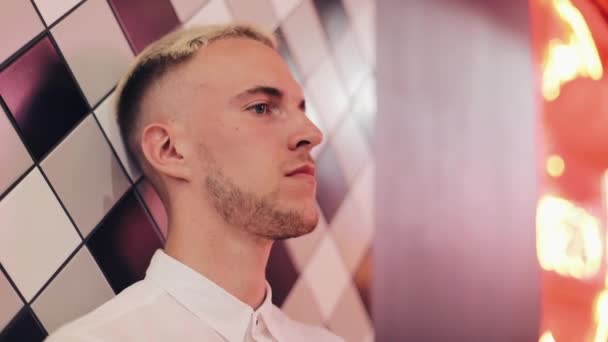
<point>570,50</point>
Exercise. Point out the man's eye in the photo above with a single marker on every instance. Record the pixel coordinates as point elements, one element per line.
<point>260,108</point>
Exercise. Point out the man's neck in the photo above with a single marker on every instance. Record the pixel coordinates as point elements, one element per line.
<point>229,257</point>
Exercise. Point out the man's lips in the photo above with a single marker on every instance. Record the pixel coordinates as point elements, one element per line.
<point>306,169</point>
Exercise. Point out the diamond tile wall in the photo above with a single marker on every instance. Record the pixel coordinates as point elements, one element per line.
<point>72,203</point>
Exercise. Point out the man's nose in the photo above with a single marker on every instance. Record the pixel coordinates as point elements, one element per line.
<point>307,134</point>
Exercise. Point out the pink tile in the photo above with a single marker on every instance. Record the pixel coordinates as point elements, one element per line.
<point>306,39</point>
<point>283,8</point>
<point>79,288</point>
<point>14,158</point>
<point>52,10</point>
<point>11,304</point>
<point>18,24</point>
<point>187,8</point>
<point>350,320</point>
<point>37,236</point>
<point>259,12</point>
<point>95,181</point>
<point>91,40</point>
<point>214,12</point>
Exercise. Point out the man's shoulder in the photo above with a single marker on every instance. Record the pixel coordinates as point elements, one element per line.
<point>127,304</point>
<point>302,330</point>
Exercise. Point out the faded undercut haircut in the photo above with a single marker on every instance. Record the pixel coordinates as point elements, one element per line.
<point>157,60</point>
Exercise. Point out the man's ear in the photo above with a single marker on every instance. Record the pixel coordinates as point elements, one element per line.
<point>158,144</point>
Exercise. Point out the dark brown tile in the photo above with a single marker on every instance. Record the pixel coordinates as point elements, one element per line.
<point>144,21</point>
<point>333,18</point>
<point>124,243</point>
<point>154,205</point>
<point>281,273</point>
<point>42,96</point>
<point>23,328</point>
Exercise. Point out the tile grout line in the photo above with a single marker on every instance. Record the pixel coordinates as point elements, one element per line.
<point>82,243</point>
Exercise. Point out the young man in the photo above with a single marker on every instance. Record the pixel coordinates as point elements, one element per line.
<point>217,124</point>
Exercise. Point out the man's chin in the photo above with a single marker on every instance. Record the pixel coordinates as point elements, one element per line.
<point>311,216</point>
<point>308,221</point>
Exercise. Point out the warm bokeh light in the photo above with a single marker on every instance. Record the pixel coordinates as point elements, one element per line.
<point>568,238</point>
<point>555,166</point>
<point>601,304</point>
<point>576,57</point>
<point>601,317</point>
<point>546,337</point>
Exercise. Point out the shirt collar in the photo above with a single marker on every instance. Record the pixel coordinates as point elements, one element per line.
<point>223,312</point>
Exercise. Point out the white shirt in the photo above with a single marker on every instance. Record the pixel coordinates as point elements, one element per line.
<point>176,303</point>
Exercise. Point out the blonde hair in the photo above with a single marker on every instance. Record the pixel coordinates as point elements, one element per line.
<point>156,60</point>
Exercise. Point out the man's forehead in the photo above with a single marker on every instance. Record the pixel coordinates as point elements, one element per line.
<point>233,49</point>
<point>243,64</point>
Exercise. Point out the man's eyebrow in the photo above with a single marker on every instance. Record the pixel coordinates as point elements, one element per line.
<point>266,90</point>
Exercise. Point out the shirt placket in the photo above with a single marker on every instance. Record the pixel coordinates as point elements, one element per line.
<point>259,331</point>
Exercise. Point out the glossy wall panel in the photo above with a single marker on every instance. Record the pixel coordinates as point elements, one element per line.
<point>454,257</point>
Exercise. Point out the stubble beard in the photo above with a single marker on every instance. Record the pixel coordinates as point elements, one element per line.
<point>258,215</point>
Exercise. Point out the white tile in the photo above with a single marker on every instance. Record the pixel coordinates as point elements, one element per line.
<point>52,10</point>
<point>350,62</point>
<point>365,100</point>
<point>11,304</point>
<point>352,150</point>
<point>259,12</point>
<point>353,231</point>
<point>284,8</point>
<point>350,319</point>
<point>301,305</point>
<point>327,276</point>
<point>37,236</point>
<point>215,12</point>
<point>364,191</point>
<point>363,15</point>
<point>78,289</point>
<point>106,114</point>
<point>305,38</point>
<point>95,181</point>
<point>18,24</point>
<point>95,48</point>
<point>13,155</point>
<point>313,114</point>
<point>303,248</point>
<point>186,8</point>
<point>325,88</point>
